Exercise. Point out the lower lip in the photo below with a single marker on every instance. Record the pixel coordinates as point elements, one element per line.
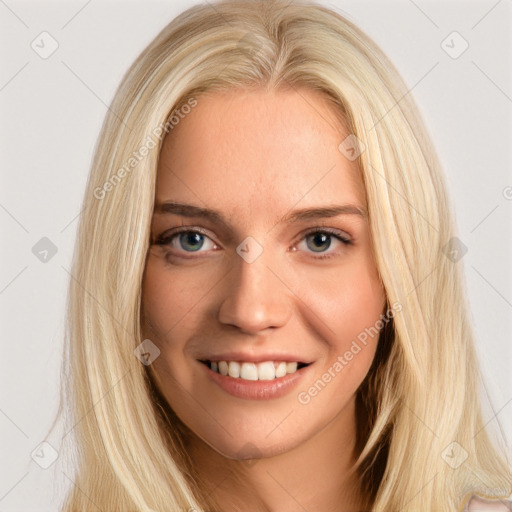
<point>257,389</point>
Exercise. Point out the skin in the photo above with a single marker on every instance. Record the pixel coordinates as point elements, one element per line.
<point>256,156</point>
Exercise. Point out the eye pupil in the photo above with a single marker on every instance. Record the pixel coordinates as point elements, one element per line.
<point>193,238</point>
<point>320,238</point>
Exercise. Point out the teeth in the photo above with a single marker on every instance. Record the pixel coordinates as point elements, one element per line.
<point>249,371</point>
<point>223,367</point>
<point>281,369</point>
<point>291,367</point>
<point>267,370</point>
<point>234,369</point>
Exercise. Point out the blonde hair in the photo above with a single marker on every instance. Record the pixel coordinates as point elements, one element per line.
<point>422,392</point>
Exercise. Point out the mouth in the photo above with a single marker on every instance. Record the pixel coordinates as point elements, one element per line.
<point>265,370</point>
<point>262,380</point>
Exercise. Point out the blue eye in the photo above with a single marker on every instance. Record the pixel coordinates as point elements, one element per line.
<point>320,241</point>
<point>186,240</point>
<point>192,240</point>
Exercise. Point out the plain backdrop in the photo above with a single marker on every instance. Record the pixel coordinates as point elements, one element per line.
<point>51,112</point>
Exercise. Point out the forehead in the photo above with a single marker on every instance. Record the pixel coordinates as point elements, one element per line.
<point>251,150</point>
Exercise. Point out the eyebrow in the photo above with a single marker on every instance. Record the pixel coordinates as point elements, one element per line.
<point>188,210</point>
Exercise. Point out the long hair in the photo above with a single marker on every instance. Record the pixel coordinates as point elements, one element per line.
<point>419,405</point>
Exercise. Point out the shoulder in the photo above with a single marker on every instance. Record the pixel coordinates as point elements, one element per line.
<point>478,504</point>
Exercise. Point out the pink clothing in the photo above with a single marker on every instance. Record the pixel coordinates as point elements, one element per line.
<point>478,504</point>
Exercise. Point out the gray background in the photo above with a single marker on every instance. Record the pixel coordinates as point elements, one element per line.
<point>51,112</point>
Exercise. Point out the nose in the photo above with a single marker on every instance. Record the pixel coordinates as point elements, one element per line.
<point>256,299</point>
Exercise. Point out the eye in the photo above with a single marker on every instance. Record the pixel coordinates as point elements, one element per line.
<point>320,240</point>
<point>187,240</point>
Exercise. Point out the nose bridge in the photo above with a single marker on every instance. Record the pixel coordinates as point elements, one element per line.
<point>255,298</point>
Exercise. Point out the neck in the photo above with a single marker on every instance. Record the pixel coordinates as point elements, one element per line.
<point>318,474</point>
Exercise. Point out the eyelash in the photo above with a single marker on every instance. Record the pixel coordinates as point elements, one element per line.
<point>166,238</point>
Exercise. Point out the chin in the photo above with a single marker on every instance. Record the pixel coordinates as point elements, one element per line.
<point>249,441</point>
<point>250,447</point>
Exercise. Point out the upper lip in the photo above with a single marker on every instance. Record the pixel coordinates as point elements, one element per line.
<point>255,358</point>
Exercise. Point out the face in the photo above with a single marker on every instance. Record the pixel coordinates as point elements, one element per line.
<point>269,261</point>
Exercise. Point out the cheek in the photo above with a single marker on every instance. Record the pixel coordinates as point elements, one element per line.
<point>169,298</point>
<point>347,297</point>
<point>345,306</point>
<point>171,312</point>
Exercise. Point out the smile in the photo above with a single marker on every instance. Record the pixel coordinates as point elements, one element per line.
<point>264,380</point>
<point>266,370</point>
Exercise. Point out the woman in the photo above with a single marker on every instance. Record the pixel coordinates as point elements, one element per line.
<point>266,313</point>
